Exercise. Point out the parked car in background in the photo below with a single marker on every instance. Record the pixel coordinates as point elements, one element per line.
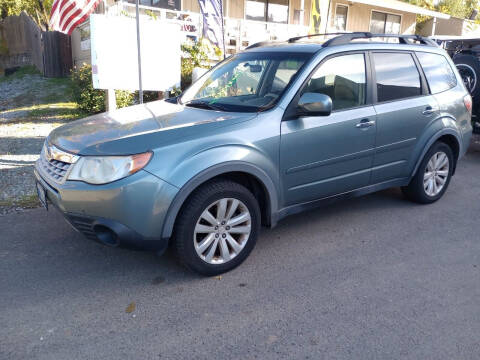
<point>269,132</point>
<point>465,53</point>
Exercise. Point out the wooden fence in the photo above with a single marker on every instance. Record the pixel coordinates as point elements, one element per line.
<point>22,43</point>
<point>57,54</point>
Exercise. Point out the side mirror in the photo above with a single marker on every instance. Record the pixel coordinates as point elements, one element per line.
<point>314,104</point>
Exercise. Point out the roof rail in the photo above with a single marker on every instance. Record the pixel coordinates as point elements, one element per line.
<point>296,38</point>
<point>258,44</point>
<point>345,38</point>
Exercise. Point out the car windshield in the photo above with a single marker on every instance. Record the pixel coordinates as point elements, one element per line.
<point>246,82</point>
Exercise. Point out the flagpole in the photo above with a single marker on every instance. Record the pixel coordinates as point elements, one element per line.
<point>223,31</point>
<point>140,89</point>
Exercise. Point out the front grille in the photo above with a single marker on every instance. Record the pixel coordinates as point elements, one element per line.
<point>55,166</point>
<point>54,170</point>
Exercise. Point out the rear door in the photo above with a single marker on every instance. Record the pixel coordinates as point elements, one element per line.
<point>404,108</point>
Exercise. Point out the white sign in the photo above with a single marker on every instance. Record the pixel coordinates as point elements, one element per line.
<point>114,53</point>
<point>85,45</point>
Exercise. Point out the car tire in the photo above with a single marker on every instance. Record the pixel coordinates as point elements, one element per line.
<point>202,234</point>
<point>424,188</point>
<point>469,64</point>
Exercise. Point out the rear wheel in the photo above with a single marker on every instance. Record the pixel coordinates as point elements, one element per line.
<point>433,176</point>
<point>217,227</point>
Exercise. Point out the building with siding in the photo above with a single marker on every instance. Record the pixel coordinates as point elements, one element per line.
<point>250,21</point>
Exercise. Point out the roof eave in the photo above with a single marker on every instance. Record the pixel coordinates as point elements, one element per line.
<point>405,7</point>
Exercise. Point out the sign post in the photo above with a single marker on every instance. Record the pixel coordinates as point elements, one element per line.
<point>140,88</point>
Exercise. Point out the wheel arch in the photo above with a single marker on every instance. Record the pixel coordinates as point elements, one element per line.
<point>448,136</point>
<point>246,174</point>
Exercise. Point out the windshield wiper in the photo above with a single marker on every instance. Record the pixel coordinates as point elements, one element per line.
<point>203,105</point>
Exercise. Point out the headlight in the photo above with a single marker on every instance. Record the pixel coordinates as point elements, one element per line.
<point>105,169</point>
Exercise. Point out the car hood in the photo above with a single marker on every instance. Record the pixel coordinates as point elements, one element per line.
<point>157,123</point>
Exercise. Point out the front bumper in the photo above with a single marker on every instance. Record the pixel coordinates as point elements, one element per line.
<point>126,213</point>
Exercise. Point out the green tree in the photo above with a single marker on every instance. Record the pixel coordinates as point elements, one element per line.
<point>39,10</point>
<point>458,8</point>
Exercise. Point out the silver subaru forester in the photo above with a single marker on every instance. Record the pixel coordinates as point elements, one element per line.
<point>277,129</point>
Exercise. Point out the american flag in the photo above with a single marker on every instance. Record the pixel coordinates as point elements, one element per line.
<point>66,15</point>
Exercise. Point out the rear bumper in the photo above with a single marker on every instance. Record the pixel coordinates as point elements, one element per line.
<point>466,139</point>
<point>128,213</point>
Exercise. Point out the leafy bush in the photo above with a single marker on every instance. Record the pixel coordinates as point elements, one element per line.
<point>90,100</point>
<point>149,96</point>
<point>123,98</point>
<point>196,54</point>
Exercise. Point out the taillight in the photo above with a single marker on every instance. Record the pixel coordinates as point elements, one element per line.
<point>467,100</point>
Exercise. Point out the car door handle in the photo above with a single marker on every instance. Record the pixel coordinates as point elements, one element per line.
<point>428,111</point>
<point>365,123</point>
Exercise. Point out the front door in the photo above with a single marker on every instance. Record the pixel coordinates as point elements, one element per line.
<point>322,156</point>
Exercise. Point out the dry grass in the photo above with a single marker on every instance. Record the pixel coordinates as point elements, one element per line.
<point>26,202</point>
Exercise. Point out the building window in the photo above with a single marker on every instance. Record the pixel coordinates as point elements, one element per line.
<point>163,4</point>
<point>267,10</point>
<point>341,14</point>
<point>383,23</point>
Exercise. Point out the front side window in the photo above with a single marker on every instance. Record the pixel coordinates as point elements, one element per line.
<point>267,10</point>
<point>341,14</point>
<point>439,73</point>
<point>383,23</point>
<point>343,79</point>
<point>397,76</point>
<point>246,82</point>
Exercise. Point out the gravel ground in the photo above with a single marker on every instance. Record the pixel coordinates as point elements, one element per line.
<point>25,91</point>
<point>22,136</point>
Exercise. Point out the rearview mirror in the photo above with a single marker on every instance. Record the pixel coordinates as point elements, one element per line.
<point>314,104</point>
<point>255,68</point>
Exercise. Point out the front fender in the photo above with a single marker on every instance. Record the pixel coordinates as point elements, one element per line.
<point>216,161</point>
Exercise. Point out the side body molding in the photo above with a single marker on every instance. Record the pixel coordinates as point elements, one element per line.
<point>211,172</point>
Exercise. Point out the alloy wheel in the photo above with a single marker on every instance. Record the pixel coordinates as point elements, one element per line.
<point>436,174</point>
<point>222,231</point>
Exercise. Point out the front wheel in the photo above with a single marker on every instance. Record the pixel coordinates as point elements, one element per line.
<point>217,227</point>
<point>433,176</point>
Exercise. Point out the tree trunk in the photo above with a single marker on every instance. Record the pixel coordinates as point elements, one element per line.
<point>44,13</point>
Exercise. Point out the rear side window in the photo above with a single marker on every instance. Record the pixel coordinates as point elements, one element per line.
<point>438,71</point>
<point>397,76</point>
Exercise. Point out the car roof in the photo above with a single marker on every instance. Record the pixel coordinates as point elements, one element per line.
<point>344,42</point>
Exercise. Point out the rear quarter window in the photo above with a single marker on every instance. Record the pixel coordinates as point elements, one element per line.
<point>439,73</point>
<point>397,76</point>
